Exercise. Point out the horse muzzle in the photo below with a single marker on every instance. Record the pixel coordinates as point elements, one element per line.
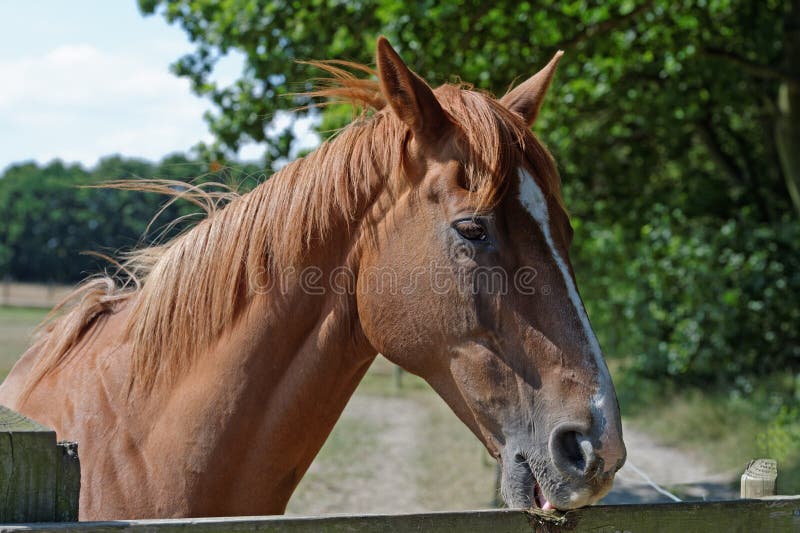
<point>568,472</point>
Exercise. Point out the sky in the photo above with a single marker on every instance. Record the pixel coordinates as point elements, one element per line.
<point>82,79</point>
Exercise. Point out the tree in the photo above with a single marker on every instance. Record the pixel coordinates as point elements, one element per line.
<point>675,125</point>
<point>51,218</point>
<point>644,88</point>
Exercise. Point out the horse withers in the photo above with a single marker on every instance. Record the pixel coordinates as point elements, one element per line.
<point>431,230</point>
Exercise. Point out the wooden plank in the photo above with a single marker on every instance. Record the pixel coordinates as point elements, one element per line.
<point>759,478</point>
<point>778,515</point>
<point>28,458</point>
<point>472,521</point>
<point>743,516</point>
<point>68,482</point>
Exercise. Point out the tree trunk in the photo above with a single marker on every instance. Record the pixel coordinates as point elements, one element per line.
<point>787,125</point>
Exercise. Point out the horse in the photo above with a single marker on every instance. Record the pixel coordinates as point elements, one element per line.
<point>430,230</point>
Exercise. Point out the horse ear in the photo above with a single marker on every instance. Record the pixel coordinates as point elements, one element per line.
<point>408,94</point>
<point>526,98</point>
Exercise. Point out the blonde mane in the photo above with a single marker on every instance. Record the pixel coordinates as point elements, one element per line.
<point>183,294</point>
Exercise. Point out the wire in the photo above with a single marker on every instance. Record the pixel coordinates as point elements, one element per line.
<point>647,479</point>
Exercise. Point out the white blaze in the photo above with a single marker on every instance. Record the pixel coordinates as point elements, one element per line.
<point>532,198</point>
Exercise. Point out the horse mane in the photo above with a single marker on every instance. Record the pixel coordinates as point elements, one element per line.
<point>182,295</point>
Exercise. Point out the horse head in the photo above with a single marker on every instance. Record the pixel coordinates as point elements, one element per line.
<point>489,312</point>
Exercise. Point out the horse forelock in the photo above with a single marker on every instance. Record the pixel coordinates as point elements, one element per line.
<point>495,141</point>
<point>190,289</point>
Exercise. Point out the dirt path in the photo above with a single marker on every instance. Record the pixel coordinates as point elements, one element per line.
<point>374,473</point>
<point>684,474</point>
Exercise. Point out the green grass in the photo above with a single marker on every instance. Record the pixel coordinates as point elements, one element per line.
<point>16,327</point>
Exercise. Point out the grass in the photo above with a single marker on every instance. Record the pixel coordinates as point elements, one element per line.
<point>16,327</point>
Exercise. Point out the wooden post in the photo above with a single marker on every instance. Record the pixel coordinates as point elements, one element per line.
<point>68,482</point>
<point>51,293</point>
<point>6,291</point>
<point>497,498</point>
<point>397,373</point>
<point>39,480</point>
<point>758,480</point>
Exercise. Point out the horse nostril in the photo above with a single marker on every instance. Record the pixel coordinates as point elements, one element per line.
<point>571,450</point>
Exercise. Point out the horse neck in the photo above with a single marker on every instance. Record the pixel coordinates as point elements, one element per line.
<point>283,245</point>
<point>259,405</point>
<point>263,399</point>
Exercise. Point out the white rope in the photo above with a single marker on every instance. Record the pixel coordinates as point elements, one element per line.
<point>647,479</point>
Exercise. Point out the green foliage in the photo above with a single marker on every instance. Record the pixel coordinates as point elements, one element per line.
<point>663,117</point>
<point>780,439</point>
<point>651,97</point>
<point>701,299</point>
<point>50,217</point>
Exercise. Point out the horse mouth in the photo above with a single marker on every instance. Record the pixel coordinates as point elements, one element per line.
<point>535,494</point>
<point>538,500</point>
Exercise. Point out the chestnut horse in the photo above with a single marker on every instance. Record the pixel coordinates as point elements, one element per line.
<point>430,231</point>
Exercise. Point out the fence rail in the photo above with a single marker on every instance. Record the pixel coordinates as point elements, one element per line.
<point>777,514</point>
<point>44,295</point>
<point>41,481</point>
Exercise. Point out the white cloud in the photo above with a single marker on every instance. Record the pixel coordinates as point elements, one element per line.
<point>79,102</point>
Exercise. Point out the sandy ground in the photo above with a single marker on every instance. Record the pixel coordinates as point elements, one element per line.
<point>682,473</point>
<point>376,473</point>
<point>379,469</point>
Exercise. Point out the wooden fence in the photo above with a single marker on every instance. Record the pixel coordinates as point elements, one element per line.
<point>40,483</point>
<point>39,478</point>
<point>44,295</point>
<point>750,516</point>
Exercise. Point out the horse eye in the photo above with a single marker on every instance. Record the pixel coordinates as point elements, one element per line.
<point>469,229</point>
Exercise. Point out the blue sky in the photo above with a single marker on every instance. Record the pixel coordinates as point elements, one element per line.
<point>82,79</point>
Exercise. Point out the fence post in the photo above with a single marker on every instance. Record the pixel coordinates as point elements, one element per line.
<point>397,374</point>
<point>68,482</point>
<point>6,282</point>
<point>758,480</point>
<point>39,479</point>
